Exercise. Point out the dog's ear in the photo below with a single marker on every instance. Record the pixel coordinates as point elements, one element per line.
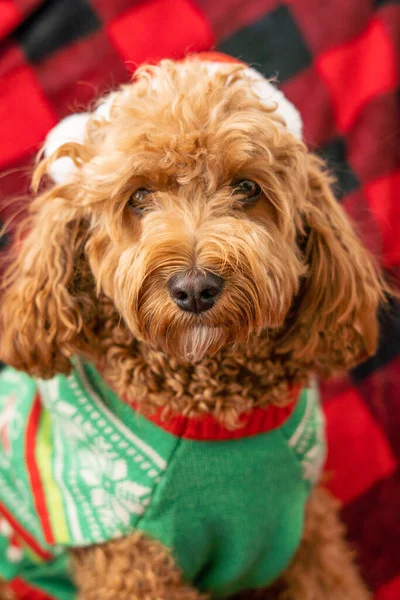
<point>335,324</point>
<point>43,312</point>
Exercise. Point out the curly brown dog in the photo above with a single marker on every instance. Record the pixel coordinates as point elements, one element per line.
<point>195,257</point>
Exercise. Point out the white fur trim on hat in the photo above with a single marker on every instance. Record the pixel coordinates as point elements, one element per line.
<point>72,128</point>
<point>269,94</point>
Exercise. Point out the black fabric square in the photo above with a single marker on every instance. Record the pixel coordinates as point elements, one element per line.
<point>389,343</point>
<point>54,25</point>
<point>335,154</point>
<point>379,3</point>
<point>274,45</point>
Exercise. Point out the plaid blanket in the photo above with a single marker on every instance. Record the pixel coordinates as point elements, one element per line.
<point>338,62</point>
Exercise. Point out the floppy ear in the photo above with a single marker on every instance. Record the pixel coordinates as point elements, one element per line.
<point>335,324</point>
<point>44,313</point>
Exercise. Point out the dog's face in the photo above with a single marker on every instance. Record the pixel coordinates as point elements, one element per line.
<point>197,247</point>
<point>201,218</point>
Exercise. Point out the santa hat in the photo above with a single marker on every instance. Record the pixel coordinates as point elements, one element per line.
<point>72,128</point>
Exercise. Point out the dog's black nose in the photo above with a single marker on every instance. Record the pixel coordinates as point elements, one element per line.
<point>195,291</point>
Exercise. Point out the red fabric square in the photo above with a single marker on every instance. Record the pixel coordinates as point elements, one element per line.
<point>390,16</point>
<point>25,114</point>
<point>352,432</point>
<point>9,16</point>
<point>107,10</point>
<point>158,29</point>
<point>374,144</point>
<point>11,57</point>
<point>27,6</point>
<point>382,195</point>
<point>14,186</point>
<point>84,70</point>
<point>328,24</point>
<point>374,529</point>
<point>390,591</point>
<point>381,389</point>
<point>230,15</point>
<point>336,386</point>
<point>357,71</point>
<point>315,108</point>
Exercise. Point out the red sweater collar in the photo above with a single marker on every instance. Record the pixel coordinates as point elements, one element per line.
<point>207,428</point>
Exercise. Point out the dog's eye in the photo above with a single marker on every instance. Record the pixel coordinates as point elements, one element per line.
<point>136,199</point>
<point>248,190</point>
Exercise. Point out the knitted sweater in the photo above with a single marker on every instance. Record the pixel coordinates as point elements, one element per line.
<point>78,466</point>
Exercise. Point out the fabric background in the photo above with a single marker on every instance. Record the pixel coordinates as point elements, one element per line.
<point>338,61</point>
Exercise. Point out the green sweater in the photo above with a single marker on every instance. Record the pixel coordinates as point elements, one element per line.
<point>78,466</point>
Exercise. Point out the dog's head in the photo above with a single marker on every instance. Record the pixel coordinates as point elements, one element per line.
<point>203,219</point>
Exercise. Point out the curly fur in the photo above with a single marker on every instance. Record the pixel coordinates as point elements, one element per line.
<point>89,275</point>
<point>134,567</point>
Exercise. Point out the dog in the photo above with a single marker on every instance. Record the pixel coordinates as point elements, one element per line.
<point>183,274</point>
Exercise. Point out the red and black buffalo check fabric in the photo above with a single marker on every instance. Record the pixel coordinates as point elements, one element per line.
<point>338,61</point>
